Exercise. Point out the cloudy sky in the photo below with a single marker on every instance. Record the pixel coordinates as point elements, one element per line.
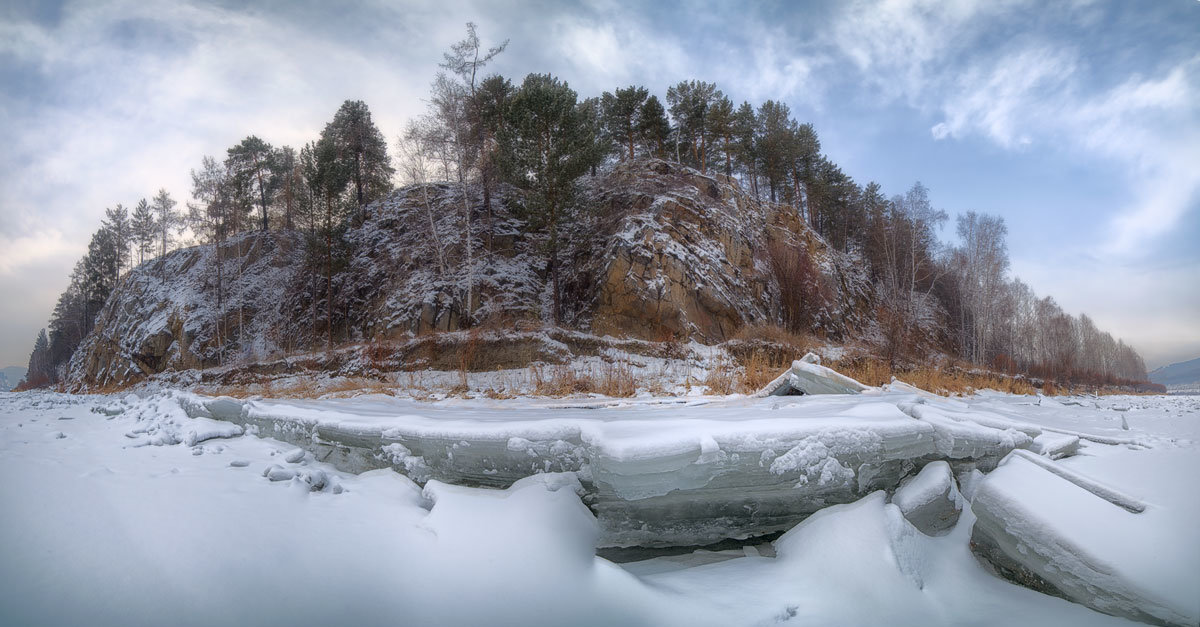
<point>1078,122</point>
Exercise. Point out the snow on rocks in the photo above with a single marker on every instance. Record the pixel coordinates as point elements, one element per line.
<point>930,501</point>
<point>808,376</point>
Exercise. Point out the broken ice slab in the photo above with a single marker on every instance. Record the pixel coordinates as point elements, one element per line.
<point>1051,528</point>
<point>655,475</point>
<point>1055,445</point>
<point>958,436</point>
<point>808,376</point>
<point>930,500</point>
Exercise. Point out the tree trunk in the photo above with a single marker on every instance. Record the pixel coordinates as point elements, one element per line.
<point>329,270</point>
<point>554,264</point>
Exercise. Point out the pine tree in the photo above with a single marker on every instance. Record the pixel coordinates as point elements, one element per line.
<point>290,183</point>
<point>721,119</point>
<point>143,229</point>
<point>117,222</point>
<point>690,102</point>
<point>653,127</point>
<point>166,219</point>
<point>251,165</point>
<point>545,148</point>
<point>492,101</point>
<point>775,138</point>
<point>209,218</point>
<point>745,144</point>
<point>360,146</point>
<point>328,174</point>
<point>622,117</point>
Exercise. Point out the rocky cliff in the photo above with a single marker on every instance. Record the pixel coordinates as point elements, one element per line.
<point>658,251</point>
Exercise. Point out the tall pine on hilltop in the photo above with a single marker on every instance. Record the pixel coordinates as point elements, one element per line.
<point>545,147</point>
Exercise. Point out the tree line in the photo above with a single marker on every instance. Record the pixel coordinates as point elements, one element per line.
<point>539,139</point>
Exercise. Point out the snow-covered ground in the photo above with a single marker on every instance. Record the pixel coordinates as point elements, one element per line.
<point>126,511</point>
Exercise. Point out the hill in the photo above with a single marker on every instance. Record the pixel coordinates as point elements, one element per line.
<point>1185,374</point>
<point>663,253</point>
<point>10,376</point>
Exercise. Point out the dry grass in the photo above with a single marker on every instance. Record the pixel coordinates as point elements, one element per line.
<point>340,387</point>
<point>775,334</point>
<point>616,379</point>
<point>611,379</point>
<point>950,381</point>
<point>559,381</point>
<point>722,378</point>
<point>758,370</point>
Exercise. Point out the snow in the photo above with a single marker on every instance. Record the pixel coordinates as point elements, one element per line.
<point>1097,552</point>
<point>105,529</point>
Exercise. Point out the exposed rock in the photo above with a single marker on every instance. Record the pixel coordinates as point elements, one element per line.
<point>658,251</point>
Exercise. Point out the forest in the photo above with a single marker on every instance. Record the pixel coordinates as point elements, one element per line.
<point>533,141</point>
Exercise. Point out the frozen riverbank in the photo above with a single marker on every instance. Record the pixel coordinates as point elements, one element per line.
<point>103,527</point>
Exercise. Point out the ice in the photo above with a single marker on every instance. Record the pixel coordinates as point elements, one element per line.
<point>1064,532</point>
<point>1055,445</point>
<point>930,501</point>
<point>808,376</point>
<point>956,436</point>
<point>279,473</point>
<point>653,475</point>
<point>102,532</point>
<point>199,430</point>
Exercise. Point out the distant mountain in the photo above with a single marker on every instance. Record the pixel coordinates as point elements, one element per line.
<point>10,377</point>
<point>1184,373</point>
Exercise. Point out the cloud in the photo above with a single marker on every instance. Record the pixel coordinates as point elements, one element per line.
<point>1038,87</point>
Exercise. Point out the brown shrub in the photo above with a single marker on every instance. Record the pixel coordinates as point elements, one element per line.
<point>803,294</point>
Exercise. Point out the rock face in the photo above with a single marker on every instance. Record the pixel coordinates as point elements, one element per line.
<point>680,257</point>
<point>657,251</point>
<point>193,308</point>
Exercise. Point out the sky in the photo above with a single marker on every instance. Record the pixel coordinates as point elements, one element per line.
<point>1077,122</point>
